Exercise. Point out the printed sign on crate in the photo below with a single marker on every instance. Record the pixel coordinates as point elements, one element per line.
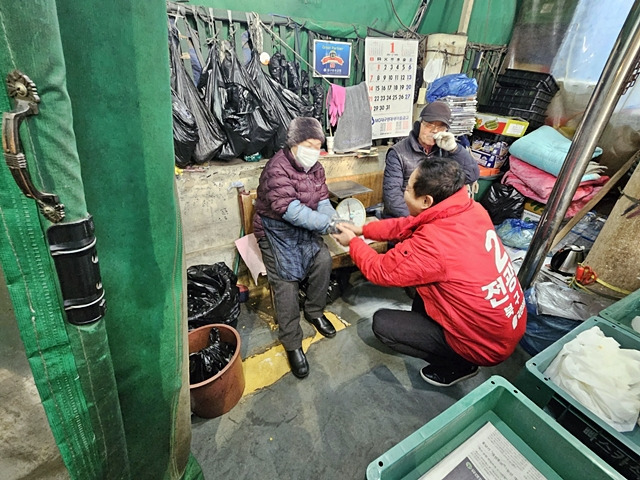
<point>500,125</point>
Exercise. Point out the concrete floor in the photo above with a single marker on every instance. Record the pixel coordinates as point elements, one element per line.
<point>359,400</point>
<point>27,447</point>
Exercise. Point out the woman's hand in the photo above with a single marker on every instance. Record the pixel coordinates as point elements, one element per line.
<point>346,233</point>
<point>350,226</point>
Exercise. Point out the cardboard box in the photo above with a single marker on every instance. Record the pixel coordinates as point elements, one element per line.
<point>489,154</point>
<point>487,160</point>
<point>499,125</point>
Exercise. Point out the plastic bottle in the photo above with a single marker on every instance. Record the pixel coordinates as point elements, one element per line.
<point>590,233</point>
<point>574,237</point>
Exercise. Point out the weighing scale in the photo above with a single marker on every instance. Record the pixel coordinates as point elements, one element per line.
<point>353,210</point>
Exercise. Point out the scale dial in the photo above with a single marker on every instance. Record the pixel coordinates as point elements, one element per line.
<point>352,209</point>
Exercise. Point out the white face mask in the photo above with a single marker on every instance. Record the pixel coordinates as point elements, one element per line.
<point>307,157</point>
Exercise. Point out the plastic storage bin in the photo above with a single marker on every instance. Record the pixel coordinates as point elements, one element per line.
<point>526,79</point>
<point>623,311</point>
<point>536,119</point>
<point>523,94</point>
<point>620,450</point>
<point>545,444</point>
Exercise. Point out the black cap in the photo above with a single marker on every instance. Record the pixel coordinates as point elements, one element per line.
<point>437,111</point>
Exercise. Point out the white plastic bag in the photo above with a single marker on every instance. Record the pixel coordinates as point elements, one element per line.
<point>603,377</point>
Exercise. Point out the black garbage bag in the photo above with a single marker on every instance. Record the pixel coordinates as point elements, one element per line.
<point>185,131</point>
<point>283,104</point>
<point>247,125</point>
<point>502,202</point>
<point>317,92</point>
<point>304,83</point>
<point>283,68</point>
<point>212,295</point>
<point>334,291</point>
<point>275,70</point>
<point>293,79</point>
<point>211,136</point>
<point>207,362</point>
<point>230,94</point>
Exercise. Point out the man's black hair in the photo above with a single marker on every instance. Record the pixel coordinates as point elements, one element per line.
<point>439,177</point>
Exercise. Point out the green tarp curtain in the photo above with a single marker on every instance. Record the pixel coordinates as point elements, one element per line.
<point>115,392</point>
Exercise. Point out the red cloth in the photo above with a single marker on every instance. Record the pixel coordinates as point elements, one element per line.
<point>537,184</point>
<point>453,255</point>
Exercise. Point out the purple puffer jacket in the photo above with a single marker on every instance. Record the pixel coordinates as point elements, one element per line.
<point>281,182</point>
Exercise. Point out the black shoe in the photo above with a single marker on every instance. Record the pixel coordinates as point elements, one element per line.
<point>324,326</point>
<point>298,362</point>
<point>447,376</point>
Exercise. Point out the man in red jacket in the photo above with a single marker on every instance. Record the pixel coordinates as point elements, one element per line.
<point>469,309</point>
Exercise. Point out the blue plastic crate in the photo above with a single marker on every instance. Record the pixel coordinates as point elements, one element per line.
<point>545,444</point>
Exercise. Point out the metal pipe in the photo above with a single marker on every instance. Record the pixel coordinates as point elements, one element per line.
<point>599,109</point>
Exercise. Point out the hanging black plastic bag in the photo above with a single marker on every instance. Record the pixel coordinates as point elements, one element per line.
<point>211,137</point>
<point>244,119</point>
<point>502,202</point>
<point>230,95</point>
<point>212,295</point>
<point>304,83</point>
<point>317,92</point>
<point>275,70</point>
<point>212,90</point>
<point>293,80</point>
<point>283,105</point>
<point>207,362</point>
<point>185,131</point>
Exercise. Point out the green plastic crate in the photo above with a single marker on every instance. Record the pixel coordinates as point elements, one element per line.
<point>623,311</point>
<point>548,446</point>
<point>621,450</point>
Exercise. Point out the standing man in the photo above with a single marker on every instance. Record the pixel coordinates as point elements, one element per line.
<point>429,138</point>
<point>469,309</point>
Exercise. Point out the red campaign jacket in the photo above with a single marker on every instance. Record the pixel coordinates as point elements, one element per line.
<point>452,254</point>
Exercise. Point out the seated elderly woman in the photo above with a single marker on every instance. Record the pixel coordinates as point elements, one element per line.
<point>292,212</point>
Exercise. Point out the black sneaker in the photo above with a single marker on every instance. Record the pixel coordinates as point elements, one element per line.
<point>446,376</point>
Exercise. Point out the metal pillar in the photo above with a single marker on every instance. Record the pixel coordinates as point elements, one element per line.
<point>608,90</point>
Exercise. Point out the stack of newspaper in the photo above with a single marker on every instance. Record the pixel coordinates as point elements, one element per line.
<point>463,113</point>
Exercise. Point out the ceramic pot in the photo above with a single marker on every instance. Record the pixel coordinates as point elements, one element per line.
<point>220,393</point>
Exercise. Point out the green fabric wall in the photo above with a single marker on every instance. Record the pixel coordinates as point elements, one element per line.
<point>373,13</point>
<point>118,79</point>
<point>491,20</point>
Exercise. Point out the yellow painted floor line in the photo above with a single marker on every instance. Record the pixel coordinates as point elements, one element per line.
<point>266,368</point>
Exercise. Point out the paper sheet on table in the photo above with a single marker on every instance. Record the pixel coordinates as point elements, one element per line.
<point>250,252</point>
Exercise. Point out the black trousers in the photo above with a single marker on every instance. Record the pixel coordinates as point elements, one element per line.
<point>285,294</point>
<point>416,334</point>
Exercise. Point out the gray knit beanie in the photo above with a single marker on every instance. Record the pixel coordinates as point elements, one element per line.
<point>437,111</point>
<point>303,128</point>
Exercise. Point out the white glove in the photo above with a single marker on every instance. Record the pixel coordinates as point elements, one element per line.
<point>446,141</point>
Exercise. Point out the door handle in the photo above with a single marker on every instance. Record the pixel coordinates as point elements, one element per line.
<point>26,99</point>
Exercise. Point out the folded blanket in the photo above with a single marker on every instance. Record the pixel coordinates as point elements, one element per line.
<point>537,184</point>
<point>546,148</point>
